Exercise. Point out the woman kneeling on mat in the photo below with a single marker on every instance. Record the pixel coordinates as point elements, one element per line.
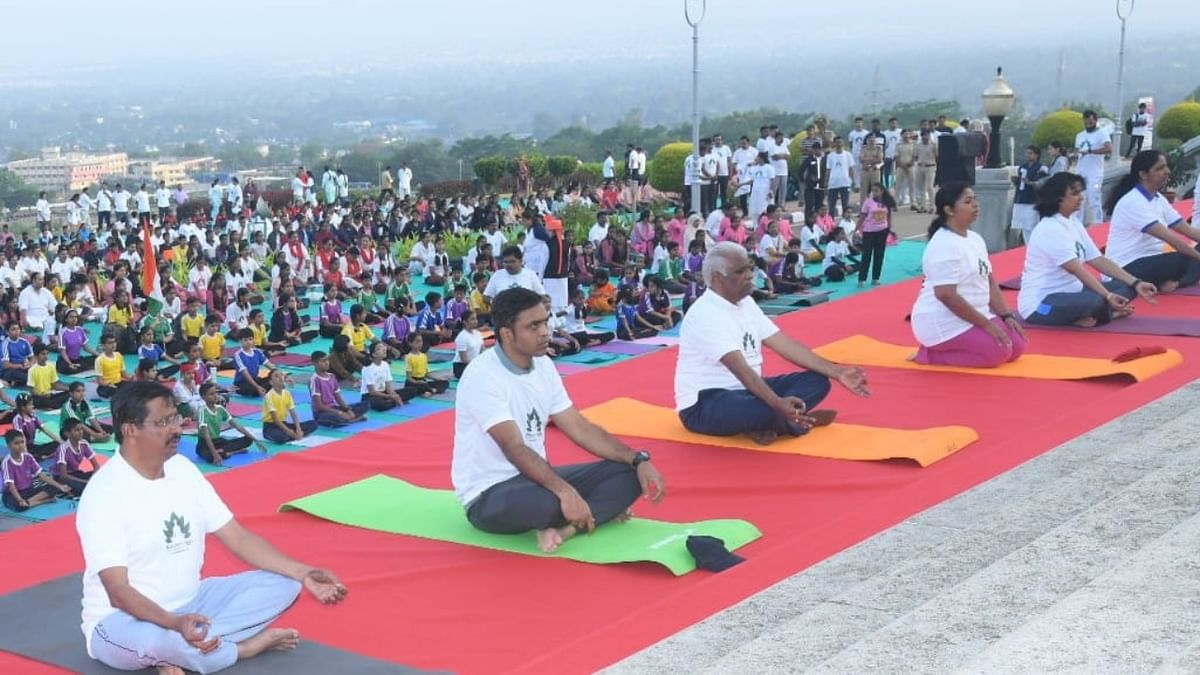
<point>960,317</point>
<point>1143,221</point>
<point>506,400</point>
<point>1056,287</point>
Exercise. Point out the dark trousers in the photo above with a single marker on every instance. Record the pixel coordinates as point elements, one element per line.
<point>1064,309</point>
<point>813,198</point>
<point>638,332</point>
<point>728,412</point>
<point>329,330</point>
<point>226,446</point>
<point>76,480</point>
<point>52,401</point>
<point>889,168</point>
<point>107,390</point>
<point>328,418</point>
<point>708,198</point>
<point>520,505</point>
<point>835,194</point>
<point>587,339</point>
<point>42,450</point>
<point>428,385</point>
<point>276,435</point>
<point>82,363</point>
<point>1164,267</point>
<point>874,244</point>
<point>381,403</point>
<point>673,287</point>
<point>744,202</point>
<point>27,494</point>
<point>243,386</point>
<point>722,189</point>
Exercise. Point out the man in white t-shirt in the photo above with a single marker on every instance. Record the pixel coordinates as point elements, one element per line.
<point>512,274</point>
<point>892,137</point>
<point>857,137</point>
<point>706,174</point>
<point>724,155</point>
<point>1093,145</point>
<point>608,167</point>
<point>780,155</point>
<point>162,200</point>
<point>506,400</point>
<point>719,386</point>
<point>142,524</point>
<point>36,303</point>
<point>838,167</point>
<point>599,230</point>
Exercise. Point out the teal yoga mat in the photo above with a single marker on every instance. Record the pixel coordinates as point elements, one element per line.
<point>387,504</point>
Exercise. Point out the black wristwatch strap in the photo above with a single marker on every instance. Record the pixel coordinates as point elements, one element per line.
<point>639,457</point>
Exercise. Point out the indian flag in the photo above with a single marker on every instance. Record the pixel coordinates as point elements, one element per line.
<point>150,284</point>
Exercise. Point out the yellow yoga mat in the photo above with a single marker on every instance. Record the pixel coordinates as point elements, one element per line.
<point>630,417</point>
<point>861,350</point>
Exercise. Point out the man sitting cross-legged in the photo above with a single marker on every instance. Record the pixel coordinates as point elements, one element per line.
<point>719,387</point>
<point>142,524</point>
<point>505,401</point>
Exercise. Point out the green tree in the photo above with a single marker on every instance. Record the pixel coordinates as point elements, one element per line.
<point>910,113</point>
<point>490,169</point>
<point>535,160</point>
<point>796,147</point>
<point>429,161</point>
<point>561,166</point>
<point>1061,126</point>
<point>506,145</point>
<point>14,191</point>
<point>1180,122</point>
<point>666,171</point>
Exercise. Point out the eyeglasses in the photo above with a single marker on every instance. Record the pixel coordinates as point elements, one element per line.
<point>168,421</point>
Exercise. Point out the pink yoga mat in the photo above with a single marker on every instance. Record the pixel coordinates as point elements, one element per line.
<point>628,348</point>
<point>1187,290</point>
<point>1013,284</point>
<point>291,360</point>
<point>1139,325</point>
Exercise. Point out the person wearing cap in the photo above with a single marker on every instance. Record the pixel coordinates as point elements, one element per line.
<point>506,400</point>
<point>719,386</point>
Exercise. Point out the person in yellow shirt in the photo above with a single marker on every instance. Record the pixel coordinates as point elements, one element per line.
<point>212,345</point>
<point>120,313</point>
<point>360,334</point>
<point>191,324</point>
<point>278,409</point>
<point>258,327</point>
<point>478,302</point>
<point>416,368</point>
<point>48,392</point>
<point>110,367</point>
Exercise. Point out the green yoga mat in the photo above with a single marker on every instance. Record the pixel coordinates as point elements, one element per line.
<point>389,504</point>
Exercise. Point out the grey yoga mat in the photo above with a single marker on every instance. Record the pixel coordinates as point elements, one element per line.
<point>49,632</point>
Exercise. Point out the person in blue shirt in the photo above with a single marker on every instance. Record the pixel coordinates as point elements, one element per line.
<point>431,323</point>
<point>248,362</point>
<point>16,355</point>
<point>149,350</point>
<point>631,325</point>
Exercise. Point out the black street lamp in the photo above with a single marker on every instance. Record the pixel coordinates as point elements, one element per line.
<point>997,103</point>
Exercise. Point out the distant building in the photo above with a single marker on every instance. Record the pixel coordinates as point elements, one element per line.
<point>56,171</point>
<point>173,171</point>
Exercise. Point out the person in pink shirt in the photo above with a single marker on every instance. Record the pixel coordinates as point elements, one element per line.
<point>825,222</point>
<point>781,218</point>
<point>875,223</point>
<point>732,230</point>
<point>642,236</point>
<point>677,228</point>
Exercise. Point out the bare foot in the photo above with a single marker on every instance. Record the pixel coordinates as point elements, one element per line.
<point>551,538</point>
<point>624,517</point>
<point>1122,313</point>
<point>1088,321</point>
<point>279,639</point>
<point>1168,286</point>
<point>170,670</point>
<point>765,437</point>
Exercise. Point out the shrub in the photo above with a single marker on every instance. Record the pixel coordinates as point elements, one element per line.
<point>1181,121</point>
<point>447,188</point>
<point>457,245</point>
<point>665,172</point>
<point>561,166</point>
<point>587,175</point>
<point>578,218</point>
<point>1061,126</point>
<point>490,169</point>
<point>537,164</point>
<point>796,147</point>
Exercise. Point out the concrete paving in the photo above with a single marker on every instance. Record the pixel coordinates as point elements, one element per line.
<point>1083,560</point>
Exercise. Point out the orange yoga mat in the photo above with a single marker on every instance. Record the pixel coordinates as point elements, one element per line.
<point>861,350</point>
<point>630,417</point>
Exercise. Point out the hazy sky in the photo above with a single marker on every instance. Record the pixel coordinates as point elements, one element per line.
<point>74,33</point>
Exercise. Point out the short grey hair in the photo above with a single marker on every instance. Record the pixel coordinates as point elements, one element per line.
<point>719,259</point>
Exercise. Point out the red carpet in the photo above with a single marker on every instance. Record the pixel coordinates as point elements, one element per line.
<point>435,605</point>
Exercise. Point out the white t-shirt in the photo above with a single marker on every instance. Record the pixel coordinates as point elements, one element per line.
<point>857,138</point>
<point>469,341</point>
<point>502,281</point>
<point>606,170</point>
<point>154,528</point>
<point>808,239</point>
<point>1091,165</point>
<point>376,376</point>
<point>708,164</point>
<point>38,305</point>
<point>722,153</point>
<point>162,197</point>
<point>1134,214</point>
<point>1056,241</point>
<point>121,201</point>
<point>712,328</point>
<point>835,249</point>
<point>950,259</point>
<point>43,210</point>
<point>143,201</point>
<point>659,259</point>
<point>838,164</point>
<point>493,391</point>
<point>743,158</point>
<point>780,165</point>
<point>598,233</point>
<point>891,138</point>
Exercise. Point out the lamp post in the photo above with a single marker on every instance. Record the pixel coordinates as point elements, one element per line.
<point>1124,9</point>
<point>693,13</point>
<point>997,102</point>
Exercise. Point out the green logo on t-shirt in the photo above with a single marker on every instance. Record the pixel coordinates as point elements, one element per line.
<point>176,521</point>
<point>984,270</point>
<point>748,342</point>
<point>533,423</point>
<point>1080,251</point>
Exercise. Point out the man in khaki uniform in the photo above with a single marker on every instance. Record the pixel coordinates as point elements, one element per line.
<point>871,161</point>
<point>926,152</point>
<point>906,158</point>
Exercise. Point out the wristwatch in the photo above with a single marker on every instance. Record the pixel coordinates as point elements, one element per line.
<point>639,457</point>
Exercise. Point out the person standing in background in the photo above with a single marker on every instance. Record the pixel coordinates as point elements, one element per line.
<point>1139,122</point>
<point>724,156</point>
<point>891,140</point>
<point>780,154</point>
<point>1093,145</point>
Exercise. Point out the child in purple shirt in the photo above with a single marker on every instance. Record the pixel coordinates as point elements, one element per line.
<point>25,484</point>
<point>331,313</point>
<point>26,422</point>
<point>71,453</point>
<point>655,305</point>
<point>396,328</point>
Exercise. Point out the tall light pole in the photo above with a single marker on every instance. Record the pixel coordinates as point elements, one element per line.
<point>1124,9</point>
<point>693,13</point>
<point>997,103</point>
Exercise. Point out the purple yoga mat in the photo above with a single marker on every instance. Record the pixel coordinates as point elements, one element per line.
<point>291,360</point>
<point>1187,290</point>
<point>1140,325</point>
<point>1013,284</point>
<point>628,348</point>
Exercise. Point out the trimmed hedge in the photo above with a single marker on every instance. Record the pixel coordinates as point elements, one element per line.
<point>665,173</point>
<point>1061,126</point>
<point>1181,121</point>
